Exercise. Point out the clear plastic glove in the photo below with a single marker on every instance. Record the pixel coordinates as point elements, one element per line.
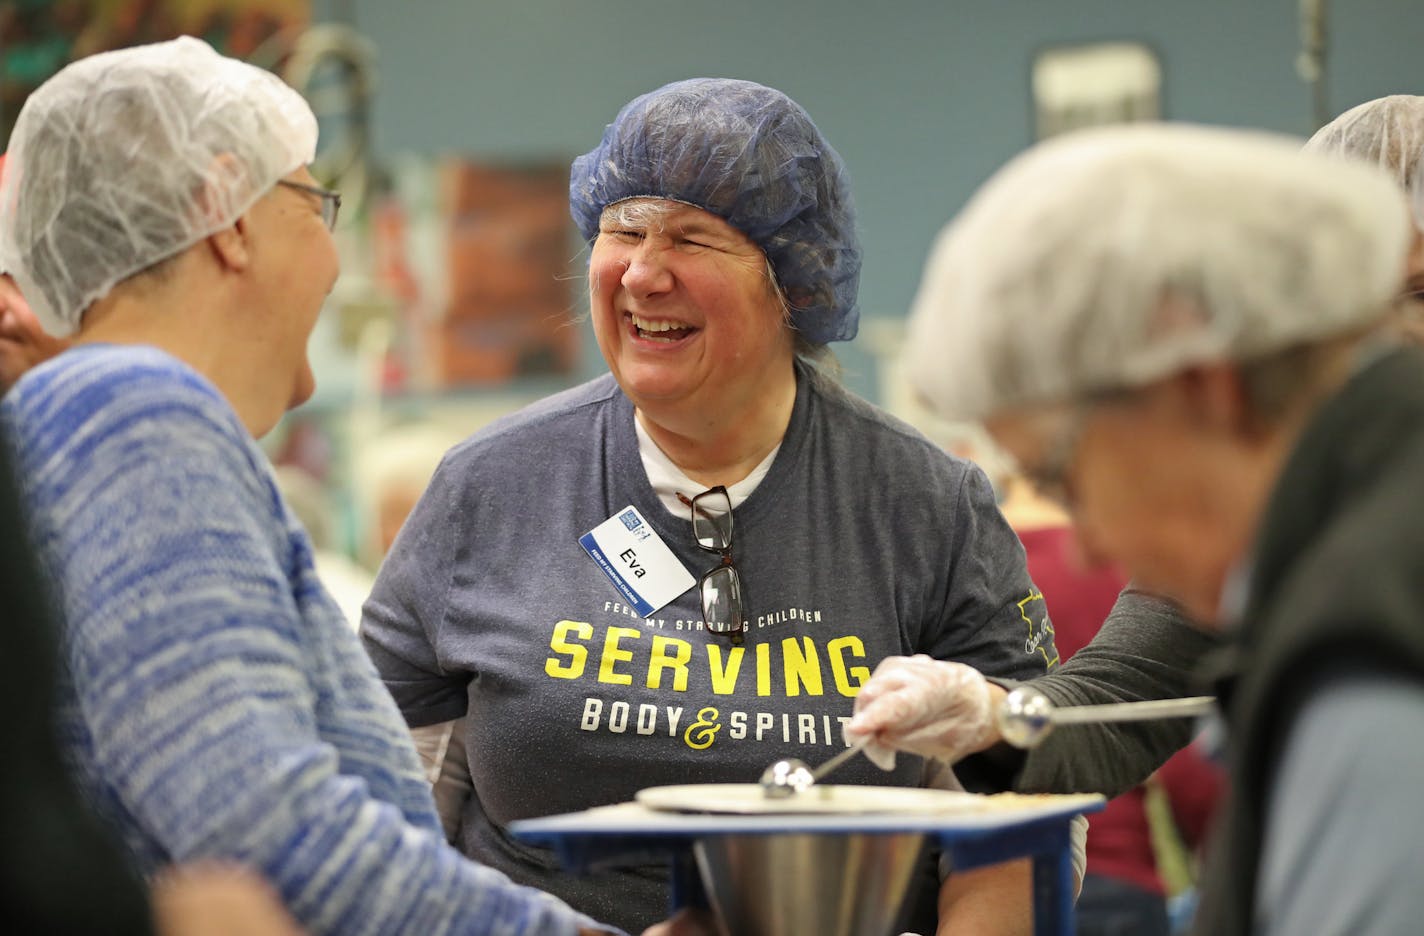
<point>924,706</point>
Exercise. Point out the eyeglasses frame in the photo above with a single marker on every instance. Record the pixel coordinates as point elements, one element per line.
<point>736,633</point>
<point>330,200</point>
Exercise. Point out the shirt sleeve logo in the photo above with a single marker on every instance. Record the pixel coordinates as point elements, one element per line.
<point>1034,614</point>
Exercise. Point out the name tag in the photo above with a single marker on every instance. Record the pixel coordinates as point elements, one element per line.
<point>637,561</point>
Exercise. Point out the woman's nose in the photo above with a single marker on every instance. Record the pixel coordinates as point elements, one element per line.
<point>646,272</point>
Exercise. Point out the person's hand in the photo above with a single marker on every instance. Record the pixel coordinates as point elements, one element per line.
<point>687,923</point>
<point>924,706</point>
<point>23,343</point>
<point>212,899</point>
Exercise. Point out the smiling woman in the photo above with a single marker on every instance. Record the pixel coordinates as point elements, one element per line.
<point>690,323</point>
<point>159,207</point>
<point>718,256</point>
<point>723,258</point>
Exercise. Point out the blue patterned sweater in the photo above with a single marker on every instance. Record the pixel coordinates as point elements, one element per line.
<point>215,703</point>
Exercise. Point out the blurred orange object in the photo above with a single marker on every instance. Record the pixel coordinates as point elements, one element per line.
<point>509,309</point>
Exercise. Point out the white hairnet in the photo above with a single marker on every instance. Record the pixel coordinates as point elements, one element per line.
<point>126,158</point>
<point>1110,258</point>
<point>1388,132</point>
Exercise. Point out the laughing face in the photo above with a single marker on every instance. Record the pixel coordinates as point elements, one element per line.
<point>684,307</point>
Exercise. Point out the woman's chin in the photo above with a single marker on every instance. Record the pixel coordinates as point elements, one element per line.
<point>304,387</point>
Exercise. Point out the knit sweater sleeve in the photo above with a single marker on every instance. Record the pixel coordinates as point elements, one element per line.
<point>187,652</point>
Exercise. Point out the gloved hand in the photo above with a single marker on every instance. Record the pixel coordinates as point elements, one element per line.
<point>925,706</point>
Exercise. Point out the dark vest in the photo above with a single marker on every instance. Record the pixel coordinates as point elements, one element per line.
<point>1338,582</point>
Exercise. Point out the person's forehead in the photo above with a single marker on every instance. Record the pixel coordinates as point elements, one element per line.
<point>301,174</point>
<point>674,215</point>
<point>1026,426</point>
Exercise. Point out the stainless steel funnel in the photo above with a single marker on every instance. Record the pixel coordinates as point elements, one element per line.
<point>828,884</point>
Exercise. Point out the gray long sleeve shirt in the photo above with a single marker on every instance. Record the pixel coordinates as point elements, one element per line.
<point>1146,649</point>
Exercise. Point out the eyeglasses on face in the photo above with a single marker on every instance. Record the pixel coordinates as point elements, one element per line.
<point>1049,473</point>
<point>1409,310</point>
<point>330,201</point>
<point>721,586</point>
<point>1052,472</point>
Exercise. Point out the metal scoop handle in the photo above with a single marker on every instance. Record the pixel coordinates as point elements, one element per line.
<point>839,759</point>
<point>1189,707</point>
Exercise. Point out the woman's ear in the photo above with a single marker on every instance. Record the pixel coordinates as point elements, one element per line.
<point>1214,396</point>
<point>230,245</point>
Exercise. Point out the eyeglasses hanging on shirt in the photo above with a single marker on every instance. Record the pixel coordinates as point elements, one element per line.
<point>720,586</point>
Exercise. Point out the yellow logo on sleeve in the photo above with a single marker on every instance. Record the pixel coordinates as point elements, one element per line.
<point>1034,613</point>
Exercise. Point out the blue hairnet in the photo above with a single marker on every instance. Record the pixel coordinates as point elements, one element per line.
<point>750,155</point>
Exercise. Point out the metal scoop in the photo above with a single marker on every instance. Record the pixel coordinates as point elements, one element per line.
<point>1027,716</point>
<point>791,776</point>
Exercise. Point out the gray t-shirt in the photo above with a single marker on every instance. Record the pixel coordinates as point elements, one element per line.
<point>864,540</point>
<point>1341,853</point>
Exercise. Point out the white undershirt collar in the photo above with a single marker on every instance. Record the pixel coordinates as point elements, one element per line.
<point>667,479</point>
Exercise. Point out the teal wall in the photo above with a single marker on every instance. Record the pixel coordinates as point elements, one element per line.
<point>923,98</point>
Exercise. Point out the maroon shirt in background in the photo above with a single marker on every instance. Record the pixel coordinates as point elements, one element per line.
<point>1119,839</point>
<point>1078,598</point>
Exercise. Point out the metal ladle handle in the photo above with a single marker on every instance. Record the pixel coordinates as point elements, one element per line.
<point>839,759</point>
<point>1027,716</point>
<point>1189,707</point>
